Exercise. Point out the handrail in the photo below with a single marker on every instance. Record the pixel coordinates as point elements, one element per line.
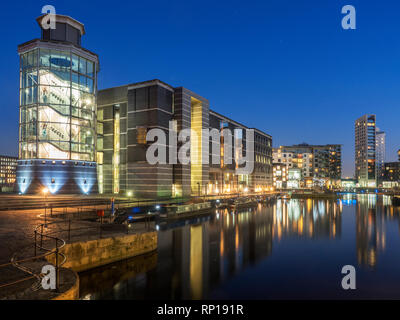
<point>40,234</point>
<point>18,263</point>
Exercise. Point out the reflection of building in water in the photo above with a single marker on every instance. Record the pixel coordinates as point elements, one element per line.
<point>190,250</point>
<point>196,261</point>
<point>308,218</point>
<point>103,280</point>
<point>370,229</point>
<point>260,242</point>
<point>237,240</point>
<point>199,256</point>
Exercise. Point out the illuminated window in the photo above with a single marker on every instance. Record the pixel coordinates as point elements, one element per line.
<point>141,135</point>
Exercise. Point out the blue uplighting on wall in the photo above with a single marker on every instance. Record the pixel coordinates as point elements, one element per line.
<point>58,176</point>
<point>24,179</point>
<point>53,180</point>
<point>85,181</point>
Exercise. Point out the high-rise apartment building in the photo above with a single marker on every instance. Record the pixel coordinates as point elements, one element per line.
<point>314,161</point>
<point>380,148</point>
<point>57,131</point>
<point>365,150</point>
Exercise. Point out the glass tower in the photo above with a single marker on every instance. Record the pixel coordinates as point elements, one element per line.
<point>365,151</point>
<point>58,90</point>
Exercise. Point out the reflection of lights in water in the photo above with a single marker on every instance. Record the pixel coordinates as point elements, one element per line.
<point>321,208</point>
<point>387,200</point>
<point>196,261</point>
<point>293,210</point>
<point>372,200</point>
<point>300,225</point>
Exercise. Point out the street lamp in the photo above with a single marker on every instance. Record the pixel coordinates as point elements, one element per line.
<point>45,191</point>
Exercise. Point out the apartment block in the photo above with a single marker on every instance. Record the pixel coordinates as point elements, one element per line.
<point>313,161</point>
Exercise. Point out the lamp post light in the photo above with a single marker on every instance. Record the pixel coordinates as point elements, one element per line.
<point>45,191</point>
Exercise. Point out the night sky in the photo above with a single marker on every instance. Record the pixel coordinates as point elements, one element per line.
<point>285,67</point>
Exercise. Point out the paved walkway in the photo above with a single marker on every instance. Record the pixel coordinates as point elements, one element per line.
<point>17,231</point>
<point>17,237</point>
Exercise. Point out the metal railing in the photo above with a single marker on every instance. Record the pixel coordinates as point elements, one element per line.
<point>18,263</point>
<point>59,244</point>
<point>52,241</point>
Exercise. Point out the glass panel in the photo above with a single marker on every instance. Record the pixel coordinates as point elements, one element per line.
<point>24,60</point>
<point>55,95</point>
<point>48,114</point>
<point>29,78</point>
<point>82,134</point>
<point>28,95</point>
<point>90,85</point>
<point>60,60</point>
<point>100,114</point>
<point>22,132</point>
<point>90,69</point>
<point>28,115</point>
<point>54,77</point>
<point>44,57</point>
<point>82,65</point>
<point>75,80</point>
<point>100,143</point>
<point>50,150</point>
<point>53,131</point>
<point>22,114</point>
<point>28,150</point>
<point>75,63</point>
<point>31,131</point>
<point>64,75</point>
<point>99,128</point>
<point>63,110</point>
<point>82,83</point>
<point>81,156</point>
<point>31,60</point>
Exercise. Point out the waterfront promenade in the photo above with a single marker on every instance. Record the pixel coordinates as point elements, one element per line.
<point>17,235</point>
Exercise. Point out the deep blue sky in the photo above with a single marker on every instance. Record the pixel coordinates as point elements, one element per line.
<point>286,67</point>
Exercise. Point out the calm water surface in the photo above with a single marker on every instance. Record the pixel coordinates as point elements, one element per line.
<point>288,249</point>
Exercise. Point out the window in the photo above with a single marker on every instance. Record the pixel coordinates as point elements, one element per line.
<point>90,69</point>
<point>141,135</point>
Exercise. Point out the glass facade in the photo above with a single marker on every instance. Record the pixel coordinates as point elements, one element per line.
<point>57,106</point>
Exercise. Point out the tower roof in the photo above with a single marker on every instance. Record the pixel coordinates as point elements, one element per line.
<point>64,19</point>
